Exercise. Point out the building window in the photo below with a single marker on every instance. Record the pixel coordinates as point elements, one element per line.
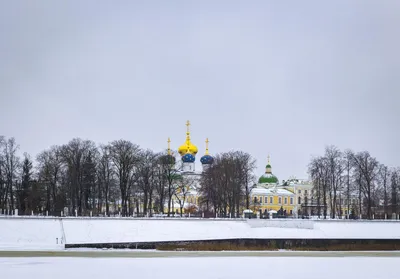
<point>299,191</point>
<point>305,192</point>
<point>291,212</point>
<point>280,200</point>
<point>271,200</point>
<point>261,199</point>
<point>266,199</point>
<point>285,200</point>
<point>255,199</point>
<point>299,201</point>
<point>291,202</point>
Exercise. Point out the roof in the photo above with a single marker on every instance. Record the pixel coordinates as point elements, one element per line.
<point>271,191</point>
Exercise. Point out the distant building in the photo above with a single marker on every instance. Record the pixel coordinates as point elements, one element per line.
<point>188,198</point>
<point>289,198</point>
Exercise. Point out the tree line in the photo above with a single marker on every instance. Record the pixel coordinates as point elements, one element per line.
<point>355,181</point>
<point>120,176</point>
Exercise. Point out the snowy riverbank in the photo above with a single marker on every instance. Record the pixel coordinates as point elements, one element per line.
<point>53,233</point>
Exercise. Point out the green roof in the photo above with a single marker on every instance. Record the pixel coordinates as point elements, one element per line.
<point>268,179</point>
<point>268,166</point>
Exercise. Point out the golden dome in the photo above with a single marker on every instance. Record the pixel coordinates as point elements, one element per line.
<point>187,147</point>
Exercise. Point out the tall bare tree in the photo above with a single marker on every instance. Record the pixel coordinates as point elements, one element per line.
<point>2,176</point>
<point>226,184</point>
<point>336,168</point>
<point>348,157</point>
<point>383,179</point>
<point>319,172</point>
<point>50,171</point>
<point>184,186</point>
<point>147,177</point>
<point>74,155</point>
<point>395,190</point>
<point>170,174</point>
<point>367,168</point>
<point>125,157</point>
<point>105,178</point>
<point>11,168</point>
<point>24,188</point>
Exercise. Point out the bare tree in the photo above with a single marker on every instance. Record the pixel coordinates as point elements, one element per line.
<point>348,157</point>
<point>395,190</point>
<point>125,158</point>
<point>75,155</point>
<point>11,168</point>
<point>336,167</point>
<point>184,185</point>
<point>2,175</point>
<point>147,177</point>
<point>23,188</point>
<point>50,170</point>
<point>245,167</point>
<point>105,178</point>
<point>319,172</point>
<point>226,184</point>
<point>367,168</point>
<point>383,178</point>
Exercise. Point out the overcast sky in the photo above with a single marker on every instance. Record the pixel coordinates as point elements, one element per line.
<point>284,78</point>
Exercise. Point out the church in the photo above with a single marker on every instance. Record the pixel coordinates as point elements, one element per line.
<point>268,196</point>
<point>286,198</point>
<point>188,198</point>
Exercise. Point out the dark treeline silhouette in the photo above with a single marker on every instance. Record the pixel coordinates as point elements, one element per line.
<point>83,178</point>
<point>354,182</point>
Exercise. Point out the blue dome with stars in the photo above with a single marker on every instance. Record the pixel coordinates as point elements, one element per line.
<point>188,158</point>
<point>207,159</point>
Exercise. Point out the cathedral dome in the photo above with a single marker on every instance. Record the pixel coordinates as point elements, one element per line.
<point>168,159</point>
<point>207,159</point>
<point>268,177</point>
<point>188,147</point>
<point>188,158</point>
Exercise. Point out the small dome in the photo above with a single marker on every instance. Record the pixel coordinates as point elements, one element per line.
<point>167,160</point>
<point>268,166</point>
<point>268,178</point>
<point>188,158</point>
<point>207,159</point>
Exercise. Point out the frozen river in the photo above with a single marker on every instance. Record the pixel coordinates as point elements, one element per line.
<point>151,264</point>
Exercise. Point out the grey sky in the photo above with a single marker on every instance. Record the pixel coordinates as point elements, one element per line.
<point>284,78</point>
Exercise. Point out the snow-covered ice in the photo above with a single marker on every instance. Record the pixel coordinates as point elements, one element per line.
<point>200,268</point>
